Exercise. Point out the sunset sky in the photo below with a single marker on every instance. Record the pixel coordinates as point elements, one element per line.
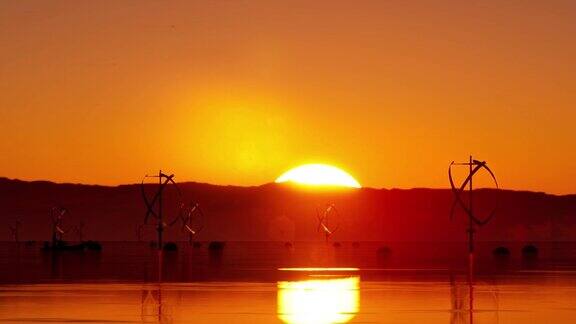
<point>237,92</point>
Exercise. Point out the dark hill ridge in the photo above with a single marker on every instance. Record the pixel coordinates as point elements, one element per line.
<point>283,212</point>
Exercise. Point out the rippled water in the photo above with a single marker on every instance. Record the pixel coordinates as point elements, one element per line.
<point>274,283</point>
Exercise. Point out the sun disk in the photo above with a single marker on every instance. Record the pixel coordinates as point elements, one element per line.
<point>319,175</point>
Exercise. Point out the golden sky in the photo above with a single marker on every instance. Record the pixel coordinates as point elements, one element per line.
<point>237,92</point>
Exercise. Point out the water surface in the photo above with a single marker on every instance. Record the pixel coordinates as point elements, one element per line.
<point>254,282</point>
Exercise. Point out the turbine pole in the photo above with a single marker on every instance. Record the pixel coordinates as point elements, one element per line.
<point>160,222</point>
<point>470,218</point>
<point>471,246</point>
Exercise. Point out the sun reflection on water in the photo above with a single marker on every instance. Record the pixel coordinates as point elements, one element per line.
<point>318,301</point>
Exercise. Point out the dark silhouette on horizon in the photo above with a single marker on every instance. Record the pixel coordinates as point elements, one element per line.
<point>246,213</point>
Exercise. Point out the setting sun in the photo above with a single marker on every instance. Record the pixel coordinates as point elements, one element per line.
<point>319,174</point>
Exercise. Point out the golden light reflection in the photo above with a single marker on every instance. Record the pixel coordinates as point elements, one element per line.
<point>318,301</point>
<point>320,269</point>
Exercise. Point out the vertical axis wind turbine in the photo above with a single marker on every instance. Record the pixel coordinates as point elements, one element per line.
<point>154,206</point>
<point>57,214</point>
<point>80,231</point>
<point>191,217</point>
<point>328,221</point>
<point>15,231</point>
<point>473,220</point>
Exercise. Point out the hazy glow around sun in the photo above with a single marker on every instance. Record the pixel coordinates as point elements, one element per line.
<point>320,175</point>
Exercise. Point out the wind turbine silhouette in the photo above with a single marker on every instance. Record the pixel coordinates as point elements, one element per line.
<point>328,221</point>
<point>191,217</point>
<point>154,208</point>
<point>15,230</point>
<point>473,220</point>
<point>57,214</point>
<point>80,231</point>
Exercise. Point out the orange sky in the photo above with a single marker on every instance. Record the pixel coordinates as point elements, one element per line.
<point>236,92</point>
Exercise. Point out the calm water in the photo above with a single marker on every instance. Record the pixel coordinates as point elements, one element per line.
<point>252,282</point>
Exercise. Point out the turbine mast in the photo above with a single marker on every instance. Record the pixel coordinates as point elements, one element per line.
<point>160,227</point>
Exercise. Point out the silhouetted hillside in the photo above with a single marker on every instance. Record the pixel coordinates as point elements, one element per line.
<point>284,212</point>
